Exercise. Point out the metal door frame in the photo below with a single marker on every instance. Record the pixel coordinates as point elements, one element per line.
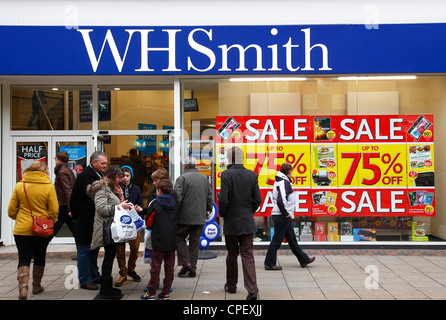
<point>51,153</point>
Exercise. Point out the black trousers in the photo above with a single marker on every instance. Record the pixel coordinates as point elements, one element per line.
<point>31,247</point>
<point>109,258</point>
<point>64,218</point>
<point>283,229</point>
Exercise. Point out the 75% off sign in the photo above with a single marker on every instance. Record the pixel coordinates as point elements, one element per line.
<point>373,166</point>
<point>265,160</point>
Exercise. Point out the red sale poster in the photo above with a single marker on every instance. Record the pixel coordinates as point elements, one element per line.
<point>360,165</point>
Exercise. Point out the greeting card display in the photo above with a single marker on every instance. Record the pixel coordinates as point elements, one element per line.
<point>332,233</point>
<point>319,231</point>
<point>346,231</point>
<point>306,231</point>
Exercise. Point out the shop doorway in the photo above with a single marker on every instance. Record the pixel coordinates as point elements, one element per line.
<point>29,149</point>
<point>153,148</point>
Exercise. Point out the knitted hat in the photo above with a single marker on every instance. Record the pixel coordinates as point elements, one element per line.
<point>130,168</point>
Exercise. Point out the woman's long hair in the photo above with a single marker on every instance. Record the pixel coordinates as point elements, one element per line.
<point>111,174</point>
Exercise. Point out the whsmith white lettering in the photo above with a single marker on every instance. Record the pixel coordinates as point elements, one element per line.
<point>225,51</point>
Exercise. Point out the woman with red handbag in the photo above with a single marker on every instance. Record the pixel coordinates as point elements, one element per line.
<point>34,207</point>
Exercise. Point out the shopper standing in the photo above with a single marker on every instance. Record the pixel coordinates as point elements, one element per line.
<point>107,193</point>
<point>132,193</point>
<point>41,197</point>
<point>83,211</point>
<point>195,199</point>
<point>282,213</point>
<point>162,219</point>
<point>64,183</point>
<point>238,201</point>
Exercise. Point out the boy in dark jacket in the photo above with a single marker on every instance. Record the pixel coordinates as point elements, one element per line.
<point>162,219</point>
<point>132,193</point>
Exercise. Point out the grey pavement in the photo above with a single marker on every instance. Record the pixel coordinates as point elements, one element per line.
<point>337,274</point>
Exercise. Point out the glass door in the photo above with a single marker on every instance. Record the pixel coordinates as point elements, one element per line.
<point>78,155</point>
<point>28,149</point>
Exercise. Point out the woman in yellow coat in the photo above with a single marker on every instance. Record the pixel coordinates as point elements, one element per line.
<point>43,201</point>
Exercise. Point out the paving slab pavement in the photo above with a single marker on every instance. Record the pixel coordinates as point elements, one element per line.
<point>337,274</point>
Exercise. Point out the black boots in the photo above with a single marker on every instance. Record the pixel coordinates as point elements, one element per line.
<point>107,291</point>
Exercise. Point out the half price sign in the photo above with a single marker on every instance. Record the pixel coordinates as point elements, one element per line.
<point>342,165</point>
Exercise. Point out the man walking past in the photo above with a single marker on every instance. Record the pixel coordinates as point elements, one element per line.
<point>195,199</point>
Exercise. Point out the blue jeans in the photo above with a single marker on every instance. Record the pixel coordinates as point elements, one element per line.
<point>87,263</point>
<point>283,229</point>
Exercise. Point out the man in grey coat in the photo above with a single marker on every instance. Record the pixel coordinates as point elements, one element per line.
<point>239,199</point>
<point>195,199</point>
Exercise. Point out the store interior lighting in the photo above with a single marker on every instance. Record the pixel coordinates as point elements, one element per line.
<point>266,79</point>
<point>378,78</point>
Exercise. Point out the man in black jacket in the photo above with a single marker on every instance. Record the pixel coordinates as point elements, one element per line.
<point>83,211</point>
<point>238,201</point>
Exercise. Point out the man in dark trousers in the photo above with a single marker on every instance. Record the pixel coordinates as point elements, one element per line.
<point>195,199</point>
<point>83,211</point>
<point>239,199</point>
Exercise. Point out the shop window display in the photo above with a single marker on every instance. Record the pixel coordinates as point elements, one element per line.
<point>51,108</point>
<point>373,184</point>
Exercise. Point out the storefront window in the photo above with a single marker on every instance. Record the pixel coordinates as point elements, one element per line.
<point>135,107</point>
<point>51,108</point>
<point>125,107</point>
<point>273,107</point>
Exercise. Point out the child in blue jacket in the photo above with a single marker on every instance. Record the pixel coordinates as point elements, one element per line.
<point>162,219</point>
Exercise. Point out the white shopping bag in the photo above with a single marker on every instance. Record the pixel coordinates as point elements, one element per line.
<point>147,247</point>
<point>137,220</point>
<point>122,229</point>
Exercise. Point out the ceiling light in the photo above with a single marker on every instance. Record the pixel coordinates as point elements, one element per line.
<point>378,78</point>
<point>266,79</point>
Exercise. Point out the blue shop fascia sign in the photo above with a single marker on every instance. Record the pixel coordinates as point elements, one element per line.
<point>217,50</point>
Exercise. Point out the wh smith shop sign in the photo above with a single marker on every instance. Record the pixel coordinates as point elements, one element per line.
<point>210,50</point>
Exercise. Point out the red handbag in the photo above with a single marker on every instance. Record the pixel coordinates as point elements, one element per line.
<point>41,227</point>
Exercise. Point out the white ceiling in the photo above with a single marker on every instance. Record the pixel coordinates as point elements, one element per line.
<point>218,12</point>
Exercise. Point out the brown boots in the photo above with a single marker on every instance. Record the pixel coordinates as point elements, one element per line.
<point>37,278</point>
<point>23,278</point>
